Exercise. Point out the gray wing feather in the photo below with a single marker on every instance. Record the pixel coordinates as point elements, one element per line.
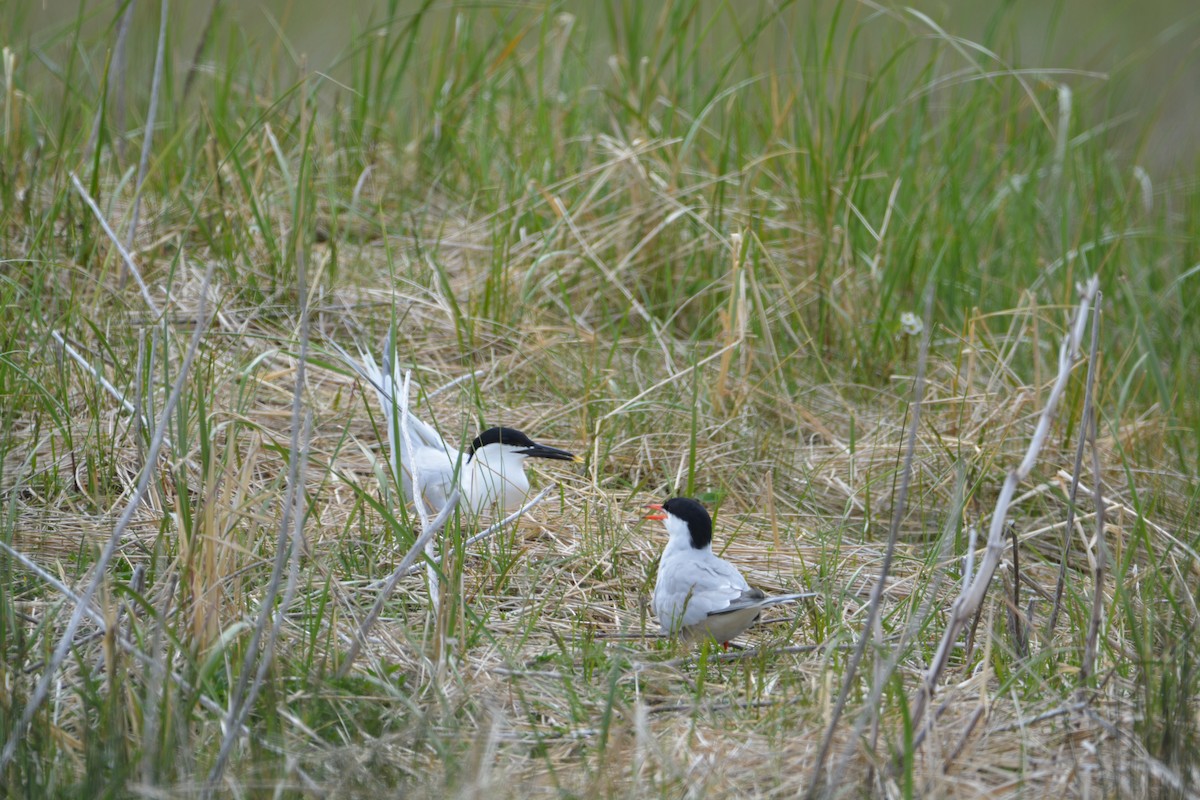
<point>756,598</point>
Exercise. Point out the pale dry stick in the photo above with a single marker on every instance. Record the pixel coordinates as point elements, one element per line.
<point>148,136</point>
<point>1085,425</point>
<point>107,385</point>
<point>494,528</point>
<point>1089,649</point>
<point>128,259</point>
<point>870,711</point>
<point>498,526</point>
<point>971,599</point>
<point>139,422</point>
<point>404,568</point>
<point>288,545</point>
<point>96,374</point>
<point>110,548</point>
<point>491,530</point>
<point>151,719</point>
<point>60,587</point>
<point>899,505</point>
<point>127,644</point>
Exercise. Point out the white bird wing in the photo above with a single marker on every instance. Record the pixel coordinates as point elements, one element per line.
<point>431,456</point>
<point>699,595</point>
<point>691,587</point>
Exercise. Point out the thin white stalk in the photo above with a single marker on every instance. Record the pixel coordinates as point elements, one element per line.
<point>289,544</point>
<point>262,645</point>
<point>104,382</point>
<point>1073,494</point>
<point>969,601</point>
<point>899,504</point>
<point>128,259</point>
<point>405,568</point>
<point>110,548</point>
<point>127,645</point>
<point>495,527</point>
<point>1088,663</point>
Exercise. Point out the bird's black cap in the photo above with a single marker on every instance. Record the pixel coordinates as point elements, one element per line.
<point>695,515</point>
<point>510,436</point>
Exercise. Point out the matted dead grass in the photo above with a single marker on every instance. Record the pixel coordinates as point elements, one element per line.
<point>552,678</point>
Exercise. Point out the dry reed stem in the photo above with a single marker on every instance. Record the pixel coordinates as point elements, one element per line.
<point>898,508</point>
<point>1085,426</point>
<point>1093,631</point>
<point>418,546</point>
<point>125,256</point>
<point>154,663</point>
<point>971,599</point>
<point>495,527</point>
<point>289,543</point>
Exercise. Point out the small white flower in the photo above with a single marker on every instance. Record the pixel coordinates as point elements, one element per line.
<point>911,324</point>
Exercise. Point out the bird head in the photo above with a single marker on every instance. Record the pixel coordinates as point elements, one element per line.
<point>510,442</point>
<point>684,519</point>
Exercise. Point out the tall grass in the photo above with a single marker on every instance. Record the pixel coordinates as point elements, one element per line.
<point>678,238</point>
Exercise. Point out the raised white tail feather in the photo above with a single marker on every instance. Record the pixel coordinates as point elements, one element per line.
<point>385,385</point>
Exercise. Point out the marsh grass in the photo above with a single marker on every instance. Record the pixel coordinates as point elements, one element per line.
<point>677,239</point>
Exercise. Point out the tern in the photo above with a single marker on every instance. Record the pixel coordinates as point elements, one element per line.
<point>490,471</point>
<point>698,594</point>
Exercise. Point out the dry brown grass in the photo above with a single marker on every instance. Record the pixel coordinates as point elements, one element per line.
<point>575,575</point>
<point>544,674</point>
<point>515,719</point>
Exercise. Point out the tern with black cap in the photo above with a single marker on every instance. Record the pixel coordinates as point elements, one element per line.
<point>698,594</point>
<point>490,471</point>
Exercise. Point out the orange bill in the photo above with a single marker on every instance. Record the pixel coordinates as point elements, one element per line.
<point>657,507</point>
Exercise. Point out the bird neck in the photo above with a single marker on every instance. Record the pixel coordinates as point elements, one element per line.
<point>681,542</point>
<point>495,474</point>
